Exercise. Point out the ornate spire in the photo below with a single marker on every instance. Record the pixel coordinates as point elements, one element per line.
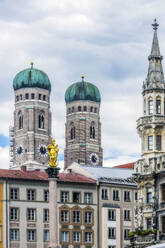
<point>155,44</point>
<point>155,70</point>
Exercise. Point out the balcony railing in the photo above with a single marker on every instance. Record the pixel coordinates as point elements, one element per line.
<point>145,120</point>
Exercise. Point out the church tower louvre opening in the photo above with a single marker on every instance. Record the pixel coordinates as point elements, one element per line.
<point>32,119</point>
<point>83,126</point>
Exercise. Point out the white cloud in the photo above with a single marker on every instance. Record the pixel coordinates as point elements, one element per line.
<point>108,41</point>
<point>4,157</point>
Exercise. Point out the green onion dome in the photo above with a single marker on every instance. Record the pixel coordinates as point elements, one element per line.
<point>82,91</point>
<point>30,78</point>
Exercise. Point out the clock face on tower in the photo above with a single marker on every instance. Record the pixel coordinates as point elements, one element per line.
<point>42,150</point>
<point>94,158</point>
<point>19,150</point>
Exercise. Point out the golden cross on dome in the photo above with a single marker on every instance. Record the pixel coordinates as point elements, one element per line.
<point>82,77</point>
<point>31,63</point>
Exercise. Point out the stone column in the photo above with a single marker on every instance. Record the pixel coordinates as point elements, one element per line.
<point>53,218</point>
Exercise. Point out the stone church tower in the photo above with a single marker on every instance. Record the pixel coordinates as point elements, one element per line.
<point>32,119</point>
<point>83,127</point>
<point>151,128</point>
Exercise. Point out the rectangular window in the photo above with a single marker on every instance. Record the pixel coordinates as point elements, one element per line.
<point>163,224</point>
<point>163,192</point>
<point>88,198</point>
<point>31,214</point>
<point>76,197</point>
<point>149,223</point>
<point>32,96</point>
<point>150,107</point>
<point>46,235</point>
<point>64,196</point>
<point>111,214</point>
<point>88,237</point>
<point>64,236</point>
<point>44,97</point>
<point>149,195</point>
<point>14,195</point>
<point>46,195</point>
<point>26,96</point>
<point>39,96</point>
<point>158,142</point>
<point>76,216</point>
<point>126,232</point>
<point>64,215</point>
<point>111,246</point>
<point>14,214</point>
<point>116,195</point>
<point>150,142</point>
<point>136,196</point>
<point>76,237</point>
<point>31,194</point>
<point>158,106</point>
<point>31,235</point>
<point>88,217</point>
<point>111,233</point>
<point>127,197</point>
<point>46,215</point>
<point>14,234</point>
<point>104,194</point>
<point>127,216</point>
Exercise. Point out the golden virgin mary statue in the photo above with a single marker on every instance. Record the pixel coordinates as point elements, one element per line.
<point>53,153</point>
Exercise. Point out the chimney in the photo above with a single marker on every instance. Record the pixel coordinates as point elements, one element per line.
<point>23,167</point>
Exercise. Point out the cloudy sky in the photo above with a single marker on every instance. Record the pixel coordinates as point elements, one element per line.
<point>106,40</point>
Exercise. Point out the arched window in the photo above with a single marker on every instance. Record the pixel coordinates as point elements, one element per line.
<point>72,131</point>
<point>150,106</point>
<point>92,131</point>
<point>79,108</point>
<point>85,108</point>
<point>158,105</point>
<point>20,120</point>
<point>41,121</point>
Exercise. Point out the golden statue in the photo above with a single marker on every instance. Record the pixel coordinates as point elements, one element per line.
<point>53,153</point>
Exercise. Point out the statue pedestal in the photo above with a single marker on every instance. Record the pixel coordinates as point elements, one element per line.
<point>53,218</point>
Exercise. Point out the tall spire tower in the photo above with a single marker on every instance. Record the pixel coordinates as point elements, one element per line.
<point>151,126</point>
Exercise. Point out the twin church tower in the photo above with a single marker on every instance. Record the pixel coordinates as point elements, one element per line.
<point>32,122</point>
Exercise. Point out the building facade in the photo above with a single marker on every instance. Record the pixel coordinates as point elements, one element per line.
<point>24,210</point>
<point>117,201</point>
<point>83,126</point>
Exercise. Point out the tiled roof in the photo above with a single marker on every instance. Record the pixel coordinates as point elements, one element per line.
<point>125,166</point>
<point>40,175</point>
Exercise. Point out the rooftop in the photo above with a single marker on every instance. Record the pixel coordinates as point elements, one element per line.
<point>126,166</point>
<point>40,175</point>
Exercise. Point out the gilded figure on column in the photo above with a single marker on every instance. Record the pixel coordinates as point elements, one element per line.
<point>53,153</point>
